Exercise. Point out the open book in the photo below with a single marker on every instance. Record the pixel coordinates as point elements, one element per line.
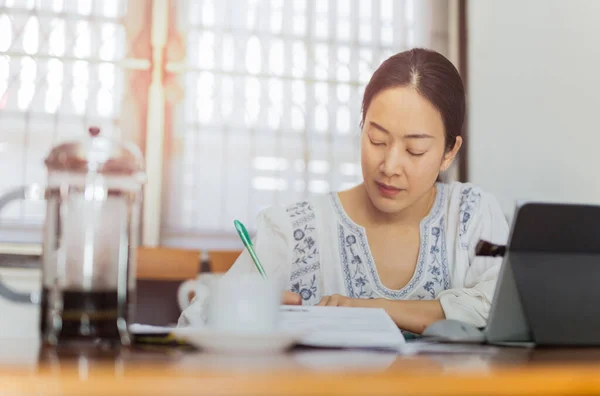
<point>328,327</point>
<point>342,327</point>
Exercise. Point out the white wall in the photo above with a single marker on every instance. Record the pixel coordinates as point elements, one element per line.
<point>534,97</point>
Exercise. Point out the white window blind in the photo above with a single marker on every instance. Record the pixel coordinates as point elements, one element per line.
<point>64,65</point>
<point>271,105</point>
<point>263,97</point>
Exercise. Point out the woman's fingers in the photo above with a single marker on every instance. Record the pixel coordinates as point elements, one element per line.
<point>290,298</point>
<point>323,301</point>
<point>329,301</point>
<point>335,300</point>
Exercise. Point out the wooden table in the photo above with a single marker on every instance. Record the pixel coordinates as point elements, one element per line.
<point>25,368</point>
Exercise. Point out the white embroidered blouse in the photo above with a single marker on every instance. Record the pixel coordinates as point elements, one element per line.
<point>316,250</point>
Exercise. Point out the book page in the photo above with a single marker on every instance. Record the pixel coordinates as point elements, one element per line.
<point>329,327</point>
<point>342,327</point>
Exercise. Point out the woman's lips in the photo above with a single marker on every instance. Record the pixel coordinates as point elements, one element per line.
<point>388,191</point>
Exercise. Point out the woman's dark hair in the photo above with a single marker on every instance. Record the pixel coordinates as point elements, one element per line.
<point>433,76</point>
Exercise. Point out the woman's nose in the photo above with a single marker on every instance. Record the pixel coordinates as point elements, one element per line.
<point>392,163</point>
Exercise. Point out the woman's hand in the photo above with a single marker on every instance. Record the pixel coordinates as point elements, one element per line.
<point>290,298</point>
<point>409,315</point>
<point>337,300</point>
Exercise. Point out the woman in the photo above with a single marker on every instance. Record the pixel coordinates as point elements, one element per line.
<point>400,240</point>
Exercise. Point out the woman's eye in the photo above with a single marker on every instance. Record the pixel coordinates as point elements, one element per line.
<point>374,143</point>
<point>415,154</point>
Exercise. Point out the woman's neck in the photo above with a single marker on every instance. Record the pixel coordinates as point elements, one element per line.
<point>360,208</point>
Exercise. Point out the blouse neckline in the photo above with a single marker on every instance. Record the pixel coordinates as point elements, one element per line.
<point>360,231</point>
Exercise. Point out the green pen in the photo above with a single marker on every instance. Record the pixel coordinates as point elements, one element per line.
<point>241,230</point>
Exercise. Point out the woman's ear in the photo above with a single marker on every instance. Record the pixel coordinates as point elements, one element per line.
<point>450,155</point>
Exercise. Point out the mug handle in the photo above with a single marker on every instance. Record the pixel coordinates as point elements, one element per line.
<point>188,290</point>
<point>30,192</point>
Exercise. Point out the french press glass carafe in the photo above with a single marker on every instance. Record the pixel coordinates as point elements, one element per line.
<point>93,199</point>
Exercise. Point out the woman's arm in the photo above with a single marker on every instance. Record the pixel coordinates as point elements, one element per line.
<point>470,295</point>
<point>410,315</point>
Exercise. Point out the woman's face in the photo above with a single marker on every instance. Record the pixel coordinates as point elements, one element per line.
<point>402,148</point>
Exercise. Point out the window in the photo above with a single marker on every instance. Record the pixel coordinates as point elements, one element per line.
<point>271,108</point>
<point>262,98</point>
<point>64,65</point>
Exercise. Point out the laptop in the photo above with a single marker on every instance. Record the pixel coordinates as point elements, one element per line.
<point>547,290</point>
<point>555,260</point>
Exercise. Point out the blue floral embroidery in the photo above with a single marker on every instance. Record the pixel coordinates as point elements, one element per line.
<point>299,209</point>
<point>469,201</point>
<point>438,266</point>
<point>430,288</point>
<point>357,283</point>
<point>305,275</point>
<point>444,257</point>
<point>304,270</point>
<point>306,290</point>
<point>438,274</point>
<point>304,250</point>
<point>298,235</point>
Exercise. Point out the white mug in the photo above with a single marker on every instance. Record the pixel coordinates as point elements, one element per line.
<point>244,303</point>
<point>199,287</point>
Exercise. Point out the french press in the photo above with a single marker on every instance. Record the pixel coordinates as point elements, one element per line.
<point>93,198</point>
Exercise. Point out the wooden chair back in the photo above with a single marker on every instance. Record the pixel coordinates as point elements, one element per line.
<point>221,260</point>
<point>160,263</point>
<point>160,271</point>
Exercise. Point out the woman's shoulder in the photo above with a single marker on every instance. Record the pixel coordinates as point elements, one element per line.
<point>297,212</point>
<point>467,197</point>
<point>467,206</point>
